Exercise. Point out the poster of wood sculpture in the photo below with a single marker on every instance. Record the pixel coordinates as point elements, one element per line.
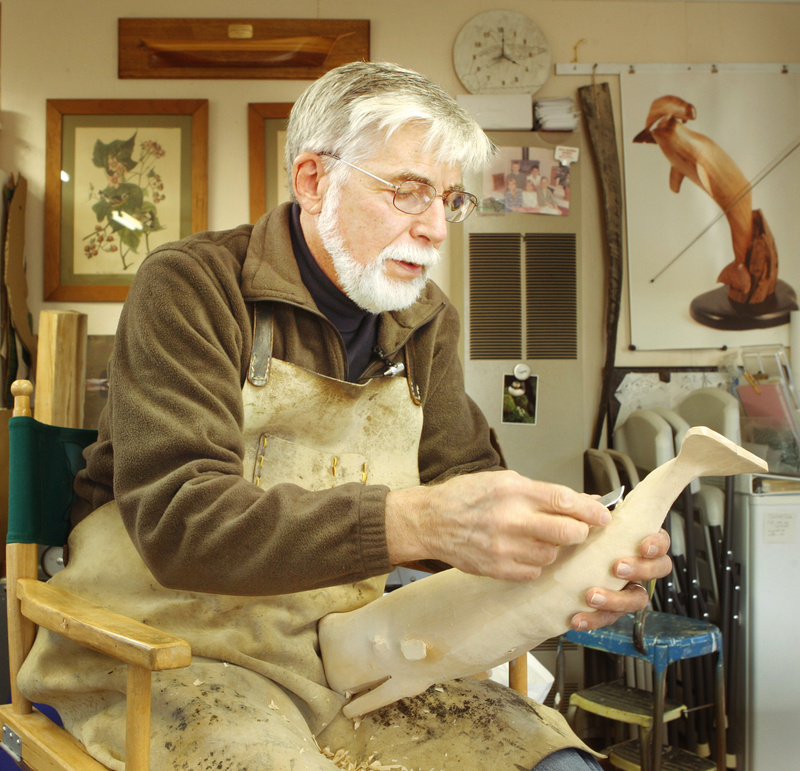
<point>712,180</point>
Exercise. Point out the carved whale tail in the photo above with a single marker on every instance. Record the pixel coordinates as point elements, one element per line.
<point>720,456</point>
<point>703,453</point>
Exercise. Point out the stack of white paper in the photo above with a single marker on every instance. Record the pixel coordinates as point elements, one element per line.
<point>555,114</point>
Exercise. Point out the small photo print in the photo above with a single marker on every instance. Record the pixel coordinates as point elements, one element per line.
<point>525,180</point>
<point>519,400</point>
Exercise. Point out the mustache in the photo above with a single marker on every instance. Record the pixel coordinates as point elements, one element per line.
<point>426,256</point>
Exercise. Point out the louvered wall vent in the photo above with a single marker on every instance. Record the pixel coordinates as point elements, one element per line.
<point>551,283</point>
<point>499,292</point>
<point>495,299</point>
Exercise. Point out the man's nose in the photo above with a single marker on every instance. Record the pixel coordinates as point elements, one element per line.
<point>431,224</point>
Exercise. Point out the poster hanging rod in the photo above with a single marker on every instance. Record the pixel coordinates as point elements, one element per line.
<point>573,68</point>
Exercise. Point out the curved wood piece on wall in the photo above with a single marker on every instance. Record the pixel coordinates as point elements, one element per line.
<point>14,276</point>
<point>599,115</point>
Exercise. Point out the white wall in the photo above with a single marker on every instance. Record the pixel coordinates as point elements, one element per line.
<point>67,49</point>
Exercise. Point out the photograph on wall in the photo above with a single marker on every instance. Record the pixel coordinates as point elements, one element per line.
<point>519,399</point>
<point>527,180</point>
<point>712,176</point>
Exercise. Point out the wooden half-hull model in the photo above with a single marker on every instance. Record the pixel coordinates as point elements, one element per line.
<point>298,51</point>
<point>454,624</point>
<point>239,48</point>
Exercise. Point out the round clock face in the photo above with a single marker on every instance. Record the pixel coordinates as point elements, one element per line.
<point>501,52</point>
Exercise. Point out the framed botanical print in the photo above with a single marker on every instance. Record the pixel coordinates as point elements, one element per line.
<point>122,177</point>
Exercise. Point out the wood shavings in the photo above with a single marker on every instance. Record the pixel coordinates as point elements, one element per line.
<point>273,705</point>
<point>342,759</point>
<point>198,682</point>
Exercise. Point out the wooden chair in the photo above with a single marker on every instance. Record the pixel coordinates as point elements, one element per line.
<point>39,505</point>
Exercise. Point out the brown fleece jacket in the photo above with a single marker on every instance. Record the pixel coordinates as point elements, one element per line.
<point>170,447</point>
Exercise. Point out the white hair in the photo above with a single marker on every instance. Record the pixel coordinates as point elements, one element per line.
<point>353,110</point>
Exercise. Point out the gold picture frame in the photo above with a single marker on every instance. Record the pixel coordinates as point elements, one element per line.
<point>122,176</point>
<point>266,125</point>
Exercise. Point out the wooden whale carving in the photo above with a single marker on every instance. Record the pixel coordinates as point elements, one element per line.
<point>454,624</point>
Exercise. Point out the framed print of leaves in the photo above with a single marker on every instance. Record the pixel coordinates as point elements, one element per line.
<point>122,177</point>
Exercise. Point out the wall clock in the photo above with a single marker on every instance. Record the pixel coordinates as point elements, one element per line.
<point>501,52</point>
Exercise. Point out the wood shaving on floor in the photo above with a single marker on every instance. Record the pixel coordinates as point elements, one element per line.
<point>342,759</point>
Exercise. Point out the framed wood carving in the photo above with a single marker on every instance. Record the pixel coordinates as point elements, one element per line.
<point>266,125</point>
<point>239,48</point>
<point>121,177</point>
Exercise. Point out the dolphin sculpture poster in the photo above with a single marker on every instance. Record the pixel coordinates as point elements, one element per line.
<point>712,181</point>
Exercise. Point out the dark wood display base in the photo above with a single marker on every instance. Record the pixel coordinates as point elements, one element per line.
<point>715,309</point>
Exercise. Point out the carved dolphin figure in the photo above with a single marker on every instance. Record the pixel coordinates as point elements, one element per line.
<point>453,624</point>
<point>705,163</point>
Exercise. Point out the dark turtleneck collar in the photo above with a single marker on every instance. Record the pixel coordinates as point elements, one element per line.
<point>358,328</point>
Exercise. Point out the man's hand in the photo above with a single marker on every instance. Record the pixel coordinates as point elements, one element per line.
<point>653,563</point>
<point>503,525</point>
<point>495,523</point>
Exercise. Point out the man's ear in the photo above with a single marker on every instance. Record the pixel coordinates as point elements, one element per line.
<point>309,181</point>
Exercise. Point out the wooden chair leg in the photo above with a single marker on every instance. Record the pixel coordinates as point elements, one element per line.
<point>21,630</point>
<point>518,674</point>
<point>137,737</point>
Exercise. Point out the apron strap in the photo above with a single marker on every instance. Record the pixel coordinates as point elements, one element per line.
<point>411,370</point>
<point>261,358</point>
<point>258,373</point>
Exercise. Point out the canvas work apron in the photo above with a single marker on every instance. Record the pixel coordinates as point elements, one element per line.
<point>255,696</point>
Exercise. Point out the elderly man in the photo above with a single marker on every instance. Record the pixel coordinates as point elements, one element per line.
<point>286,422</point>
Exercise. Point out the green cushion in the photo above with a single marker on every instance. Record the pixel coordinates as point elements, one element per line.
<point>43,462</point>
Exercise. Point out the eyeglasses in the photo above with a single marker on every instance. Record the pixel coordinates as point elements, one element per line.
<point>412,197</point>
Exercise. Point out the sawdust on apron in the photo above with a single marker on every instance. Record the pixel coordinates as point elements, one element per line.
<point>255,696</point>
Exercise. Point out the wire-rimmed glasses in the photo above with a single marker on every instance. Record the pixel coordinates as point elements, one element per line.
<point>412,197</point>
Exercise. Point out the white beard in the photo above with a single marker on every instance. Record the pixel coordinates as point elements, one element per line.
<point>368,286</point>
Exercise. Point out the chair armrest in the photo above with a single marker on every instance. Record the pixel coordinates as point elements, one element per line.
<point>101,629</point>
